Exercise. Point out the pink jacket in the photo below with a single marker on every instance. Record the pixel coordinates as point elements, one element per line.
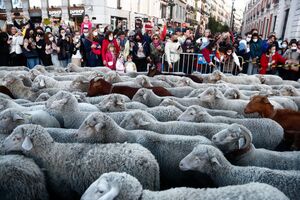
<point>89,24</point>
<point>111,60</point>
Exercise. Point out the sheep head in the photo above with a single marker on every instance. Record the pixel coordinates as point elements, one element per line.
<point>258,104</point>
<point>194,114</point>
<point>232,93</point>
<point>112,103</point>
<point>235,137</point>
<point>143,81</point>
<point>112,185</point>
<point>60,100</point>
<point>184,81</point>
<point>11,79</point>
<point>42,97</point>
<point>210,95</point>
<point>288,90</point>
<point>142,95</point>
<point>39,83</point>
<point>168,102</point>
<point>137,120</point>
<point>216,76</point>
<point>26,138</point>
<point>203,158</point>
<point>96,127</point>
<point>4,103</point>
<point>10,119</point>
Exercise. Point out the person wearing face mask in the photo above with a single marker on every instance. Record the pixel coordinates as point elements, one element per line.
<point>244,50</point>
<point>40,44</point>
<point>93,49</point>
<point>4,50</point>
<point>284,47</point>
<point>124,44</point>
<point>140,52</point>
<point>30,49</point>
<point>16,41</point>
<point>109,39</point>
<point>64,43</point>
<point>230,62</point>
<point>187,60</point>
<point>51,49</point>
<point>211,49</point>
<point>270,60</point>
<point>173,50</point>
<point>291,71</point>
<point>255,52</point>
<point>76,47</point>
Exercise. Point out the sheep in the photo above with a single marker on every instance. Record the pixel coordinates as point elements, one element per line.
<point>11,118</point>
<point>71,168</point>
<point>288,90</point>
<point>180,92</point>
<point>269,79</point>
<point>236,143</point>
<point>278,102</point>
<point>42,97</point>
<point>148,98</point>
<point>21,178</point>
<point>167,149</point>
<point>267,133</point>
<point>216,100</point>
<point>144,121</point>
<point>99,99</point>
<point>210,160</point>
<point>288,119</point>
<point>74,68</point>
<point>7,103</point>
<point>121,186</point>
<point>246,80</point>
<point>102,87</point>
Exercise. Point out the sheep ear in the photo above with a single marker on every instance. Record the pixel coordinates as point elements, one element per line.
<point>17,117</point>
<point>242,143</point>
<point>42,83</point>
<point>99,127</point>
<point>145,96</point>
<point>143,123</point>
<point>218,95</point>
<point>27,144</point>
<point>215,161</point>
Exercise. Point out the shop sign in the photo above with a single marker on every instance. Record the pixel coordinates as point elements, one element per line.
<point>55,13</point>
<point>76,12</point>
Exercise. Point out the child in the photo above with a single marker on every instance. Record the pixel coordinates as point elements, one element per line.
<point>120,68</point>
<point>86,24</point>
<point>111,57</point>
<point>130,66</point>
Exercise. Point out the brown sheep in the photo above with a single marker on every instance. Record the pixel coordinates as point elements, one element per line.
<point>153,72</point>
<point>6,91</point>
<point>288,119</point>
<point>99,86</point>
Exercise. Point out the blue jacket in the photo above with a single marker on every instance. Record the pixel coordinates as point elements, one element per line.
<point>256,49</point>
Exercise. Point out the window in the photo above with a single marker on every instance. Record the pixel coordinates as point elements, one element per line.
<point>17,4</point>
<point>75,2</point>
<point>35,4</point>
<point>54,3</point>
<point>274,23</point>
<point>2,5</point>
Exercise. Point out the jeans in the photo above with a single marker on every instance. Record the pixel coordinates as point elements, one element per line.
<point>32,62</point>
<point>54,59</point>
<point>64,63</point>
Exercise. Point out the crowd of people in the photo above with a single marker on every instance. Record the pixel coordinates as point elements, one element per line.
<point>59,44</point>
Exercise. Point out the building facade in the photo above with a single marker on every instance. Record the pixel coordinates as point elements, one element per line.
<point>279,16</point>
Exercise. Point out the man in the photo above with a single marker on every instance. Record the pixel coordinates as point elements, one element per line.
<point>172,53</point>
<point>244,50</point>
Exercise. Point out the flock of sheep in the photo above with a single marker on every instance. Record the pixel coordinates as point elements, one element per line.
<point>57,142</point>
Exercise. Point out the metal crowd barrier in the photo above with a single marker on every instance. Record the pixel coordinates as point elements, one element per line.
<point>193,62</point>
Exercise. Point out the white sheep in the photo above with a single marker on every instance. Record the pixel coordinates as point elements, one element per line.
<point>21,178</point>
<point>267,133</point>
<point>71,168</point>
<point>246,80</point>
<point>269,79</point>
<point>167,149</point>
<point>236,143</point>
<point>144,121</point>
<point>210,160</point>
<point>121,186</point>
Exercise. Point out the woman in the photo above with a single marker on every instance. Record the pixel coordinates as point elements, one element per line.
<point>204,41</point>
<point>157,50</point>
<point>291,70</point>
<point>92,49</point>
<point>64,43</point>
<point>140,52</point>
<point>255,52</point>
<point>109,39</point>
<point>270,60</point>
<point>284,47</point>
<point>211,49</point>
<point>76,49</point>
<point>4,50</point>
<point>187,60</point>
<point>124,44</point>
<point>230,62</point>
<point>52,49</point>
<point>16,57</point>
<point>30,49</point>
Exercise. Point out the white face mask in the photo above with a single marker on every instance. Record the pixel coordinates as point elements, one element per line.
<point>228,53</point>
<point>95,33</point>
<point>111,38</point>
<point>273,51</point>
<point>294,48</point>
<point>85,34</point>
<point>255,40</point>
<point>284,46</point>
<point>51,39</point>
<point>248,39</point>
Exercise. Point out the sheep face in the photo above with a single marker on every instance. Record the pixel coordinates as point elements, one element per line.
<point>143,81</point>
<point>136,120</point>
<point>112,103</point>
<point>257,104</point>
<point>142,95</point>
<point>4,103</point>
<point>10,119</point>
<point>202,159</point>
<point>59,100</point>
<point>33,73</point>
<point>112,185</point>
<point>216,76</point>
<point>17,141</point>
<point>38,83</point>
<point>232,94</point>
<point>184,82</point>
<point>94,126</point>
<point>189,115</point>
<point>10,79</point>
<point>288,91</point>
<point>210,95</point>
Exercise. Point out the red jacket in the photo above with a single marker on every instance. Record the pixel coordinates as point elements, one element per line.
<point>206,54</point>
<point>89,24</point>
<point>111,60</point>
<point>264,61</point>
<point>105,44</point>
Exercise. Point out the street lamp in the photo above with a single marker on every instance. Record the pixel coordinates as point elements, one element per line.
<point>232,16</point>
<point>171,4</point>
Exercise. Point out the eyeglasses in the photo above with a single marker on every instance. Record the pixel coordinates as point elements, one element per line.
<point>155,38</point>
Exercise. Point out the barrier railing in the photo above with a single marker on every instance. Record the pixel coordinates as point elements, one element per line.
<point>192,62</point>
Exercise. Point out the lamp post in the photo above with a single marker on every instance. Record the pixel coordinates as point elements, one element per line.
<point>171,4</point>
<point>232,16</point>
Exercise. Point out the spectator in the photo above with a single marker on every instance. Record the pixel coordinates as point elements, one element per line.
<point>255,52</point>
<point>77,49</point>
<point>92,49</point>
<point>211,49</point>
<point>30,49</point>
<point>230,62</point>
<point>130,65</point>
<point>16,42</point>
<point>109,39</point>
<point>86,24</point>
<point>291,70</point>
<point>140,52</point>
<point>52,48</point>
<point>204,41</point>
<point>110,57</point>
<point>157,50</point>
<point>124,44</point>
<point>187,60</point>
<point>244,51</point>
<point>269,42</point>
<point>40,45</point>
<point>284,47</point>
<point>172,53</point>
<point>4,50</point>
<point>270,60</point>
<point>64,43</point>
